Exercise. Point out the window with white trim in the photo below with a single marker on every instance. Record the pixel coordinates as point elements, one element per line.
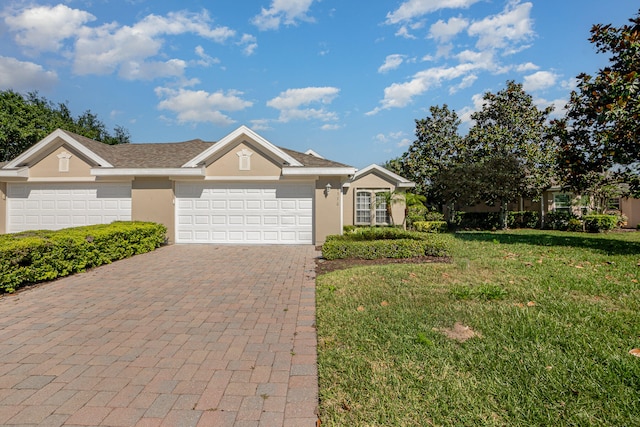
<point>371,207</point>
<point>562,203</point>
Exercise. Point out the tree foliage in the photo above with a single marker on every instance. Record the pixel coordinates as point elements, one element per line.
<point>599,137</point>
<point>438,146</point>
<point>26,119</point>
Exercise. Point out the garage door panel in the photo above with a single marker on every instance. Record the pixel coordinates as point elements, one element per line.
<point>246,213</point>
<point>60,205</point>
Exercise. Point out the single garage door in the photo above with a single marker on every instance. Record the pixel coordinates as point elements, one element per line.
<point>271,213</point>
<point>52,206</point>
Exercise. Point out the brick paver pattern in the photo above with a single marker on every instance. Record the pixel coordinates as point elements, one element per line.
<point>188,335</point>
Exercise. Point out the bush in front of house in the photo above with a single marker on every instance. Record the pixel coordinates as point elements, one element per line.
<point>374,243</point>
<point>36,256</point>
<point>431,226</point>
<point>575,225</point>
<point>558,220</point>
<point>599,223</point>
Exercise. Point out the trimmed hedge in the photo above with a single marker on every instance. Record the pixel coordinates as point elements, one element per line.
<point>373,243</point>
<point>491,220</point>
<point>598,223</point>
<point>431,226</point>
<point>37,256</point>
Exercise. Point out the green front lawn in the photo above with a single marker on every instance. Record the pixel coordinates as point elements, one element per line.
<point>522,328</point>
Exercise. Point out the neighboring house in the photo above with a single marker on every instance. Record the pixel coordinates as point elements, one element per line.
<point>241,189</point>
<point>557,200</point>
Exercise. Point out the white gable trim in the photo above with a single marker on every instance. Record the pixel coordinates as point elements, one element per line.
<point>249,134</point>
<point>50,139</point>
<point>22,172</point>
<point>148,172</point>
<point>288,171</point>
<point>313,153</point>
<point>400,181</point>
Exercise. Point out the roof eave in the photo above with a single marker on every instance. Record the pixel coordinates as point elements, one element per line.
<point>318,171</point>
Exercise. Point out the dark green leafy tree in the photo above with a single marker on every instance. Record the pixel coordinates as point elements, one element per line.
<point>438,146</point>
<point>26,119</point>
<point>600,136</point>
<point>511,148</point>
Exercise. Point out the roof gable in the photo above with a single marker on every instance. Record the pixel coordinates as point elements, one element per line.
<point>52,139</point>
<point>385,174</point>
<point>239,135</point>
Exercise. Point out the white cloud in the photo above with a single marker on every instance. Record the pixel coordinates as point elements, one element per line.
<point>250,44</point>
<point>403,31</point>
<point>24,76</point>
<point>135,51</point>
<point>399,95</point>
<point>191,106</point>
<point>539,80</point>
<point>205,60</point>
<point>559,106</point>
<point>391,62</point>
<point>466,112</point>
<point>104,49</point>
<point>412,9</point>
<point>529,66</point>
<point>445,31</point>
<point>466,82</point>
<point>287,12</point>
<point>45,28</point>
<point>330,127</point>
<point>291,103</point>
<point>513,25</point>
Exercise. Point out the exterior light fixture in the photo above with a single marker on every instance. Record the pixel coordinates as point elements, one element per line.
<point>327,189</point>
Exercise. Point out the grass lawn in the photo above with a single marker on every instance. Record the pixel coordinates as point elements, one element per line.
<point>522,328</point>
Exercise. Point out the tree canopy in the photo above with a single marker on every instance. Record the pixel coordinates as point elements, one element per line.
<point>600,136</point>
<point>26,119</point>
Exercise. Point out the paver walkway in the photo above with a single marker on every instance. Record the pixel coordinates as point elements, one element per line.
<point>189,335</point>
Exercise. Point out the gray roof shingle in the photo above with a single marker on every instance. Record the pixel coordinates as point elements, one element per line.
<point>173,154</point>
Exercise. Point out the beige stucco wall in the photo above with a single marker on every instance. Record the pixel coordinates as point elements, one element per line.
<point>228,163</point>
<point>152,200</point>
<point>371,181</point>
<point>631,208</point>
<point>327,209</point>
<point>48,166</point>
<point>3,207</point>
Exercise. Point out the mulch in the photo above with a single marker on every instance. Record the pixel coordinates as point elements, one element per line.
<point>325,266</point>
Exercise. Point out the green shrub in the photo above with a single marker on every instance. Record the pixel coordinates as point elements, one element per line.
<point>37,256</point>
<point>383,242</point>
<point>391,248</point>
<point>434,216</point>
<point>598,223</point>
<point>558,220</point>
<point>523,219</point>
<point>575,225</point>
<point>476,220</point>
<point>431,226</point>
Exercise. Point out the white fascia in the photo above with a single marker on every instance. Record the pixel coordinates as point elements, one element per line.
<point>297,171</point>
<point>150,172</point>
<point>249,134</point>
<point>400,181</point>
<point>58,133</point>
<point>15,173</point>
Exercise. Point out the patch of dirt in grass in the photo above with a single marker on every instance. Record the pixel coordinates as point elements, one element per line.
<point>459,332</point>
<point>325,266</point>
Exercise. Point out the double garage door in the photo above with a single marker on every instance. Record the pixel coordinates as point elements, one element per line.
<point>272,213</point>
<point>52,206</point>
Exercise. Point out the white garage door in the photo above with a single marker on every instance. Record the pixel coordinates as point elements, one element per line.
<point>54,206</point>
<point>280,213</point>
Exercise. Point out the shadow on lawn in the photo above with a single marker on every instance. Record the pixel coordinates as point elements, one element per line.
<point>596,242</point>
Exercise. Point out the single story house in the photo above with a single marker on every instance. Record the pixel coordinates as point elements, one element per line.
<point>242,189</point>
<point>555,199</point>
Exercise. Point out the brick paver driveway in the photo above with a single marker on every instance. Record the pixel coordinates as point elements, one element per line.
<point>187,335</point>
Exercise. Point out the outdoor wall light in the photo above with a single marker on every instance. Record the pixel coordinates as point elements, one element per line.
<point>327,188</point>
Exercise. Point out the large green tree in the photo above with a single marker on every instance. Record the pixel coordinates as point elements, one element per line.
<point>438,146</point>
<point>26,119</point>
<point>599,137</point>
<point>510,148</point>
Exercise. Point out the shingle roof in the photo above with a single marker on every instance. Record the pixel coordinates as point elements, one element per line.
<point>172,154</point>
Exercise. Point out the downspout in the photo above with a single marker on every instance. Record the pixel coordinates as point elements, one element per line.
<point>341,207</point>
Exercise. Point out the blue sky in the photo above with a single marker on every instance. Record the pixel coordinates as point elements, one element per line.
<point>344,78</point>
